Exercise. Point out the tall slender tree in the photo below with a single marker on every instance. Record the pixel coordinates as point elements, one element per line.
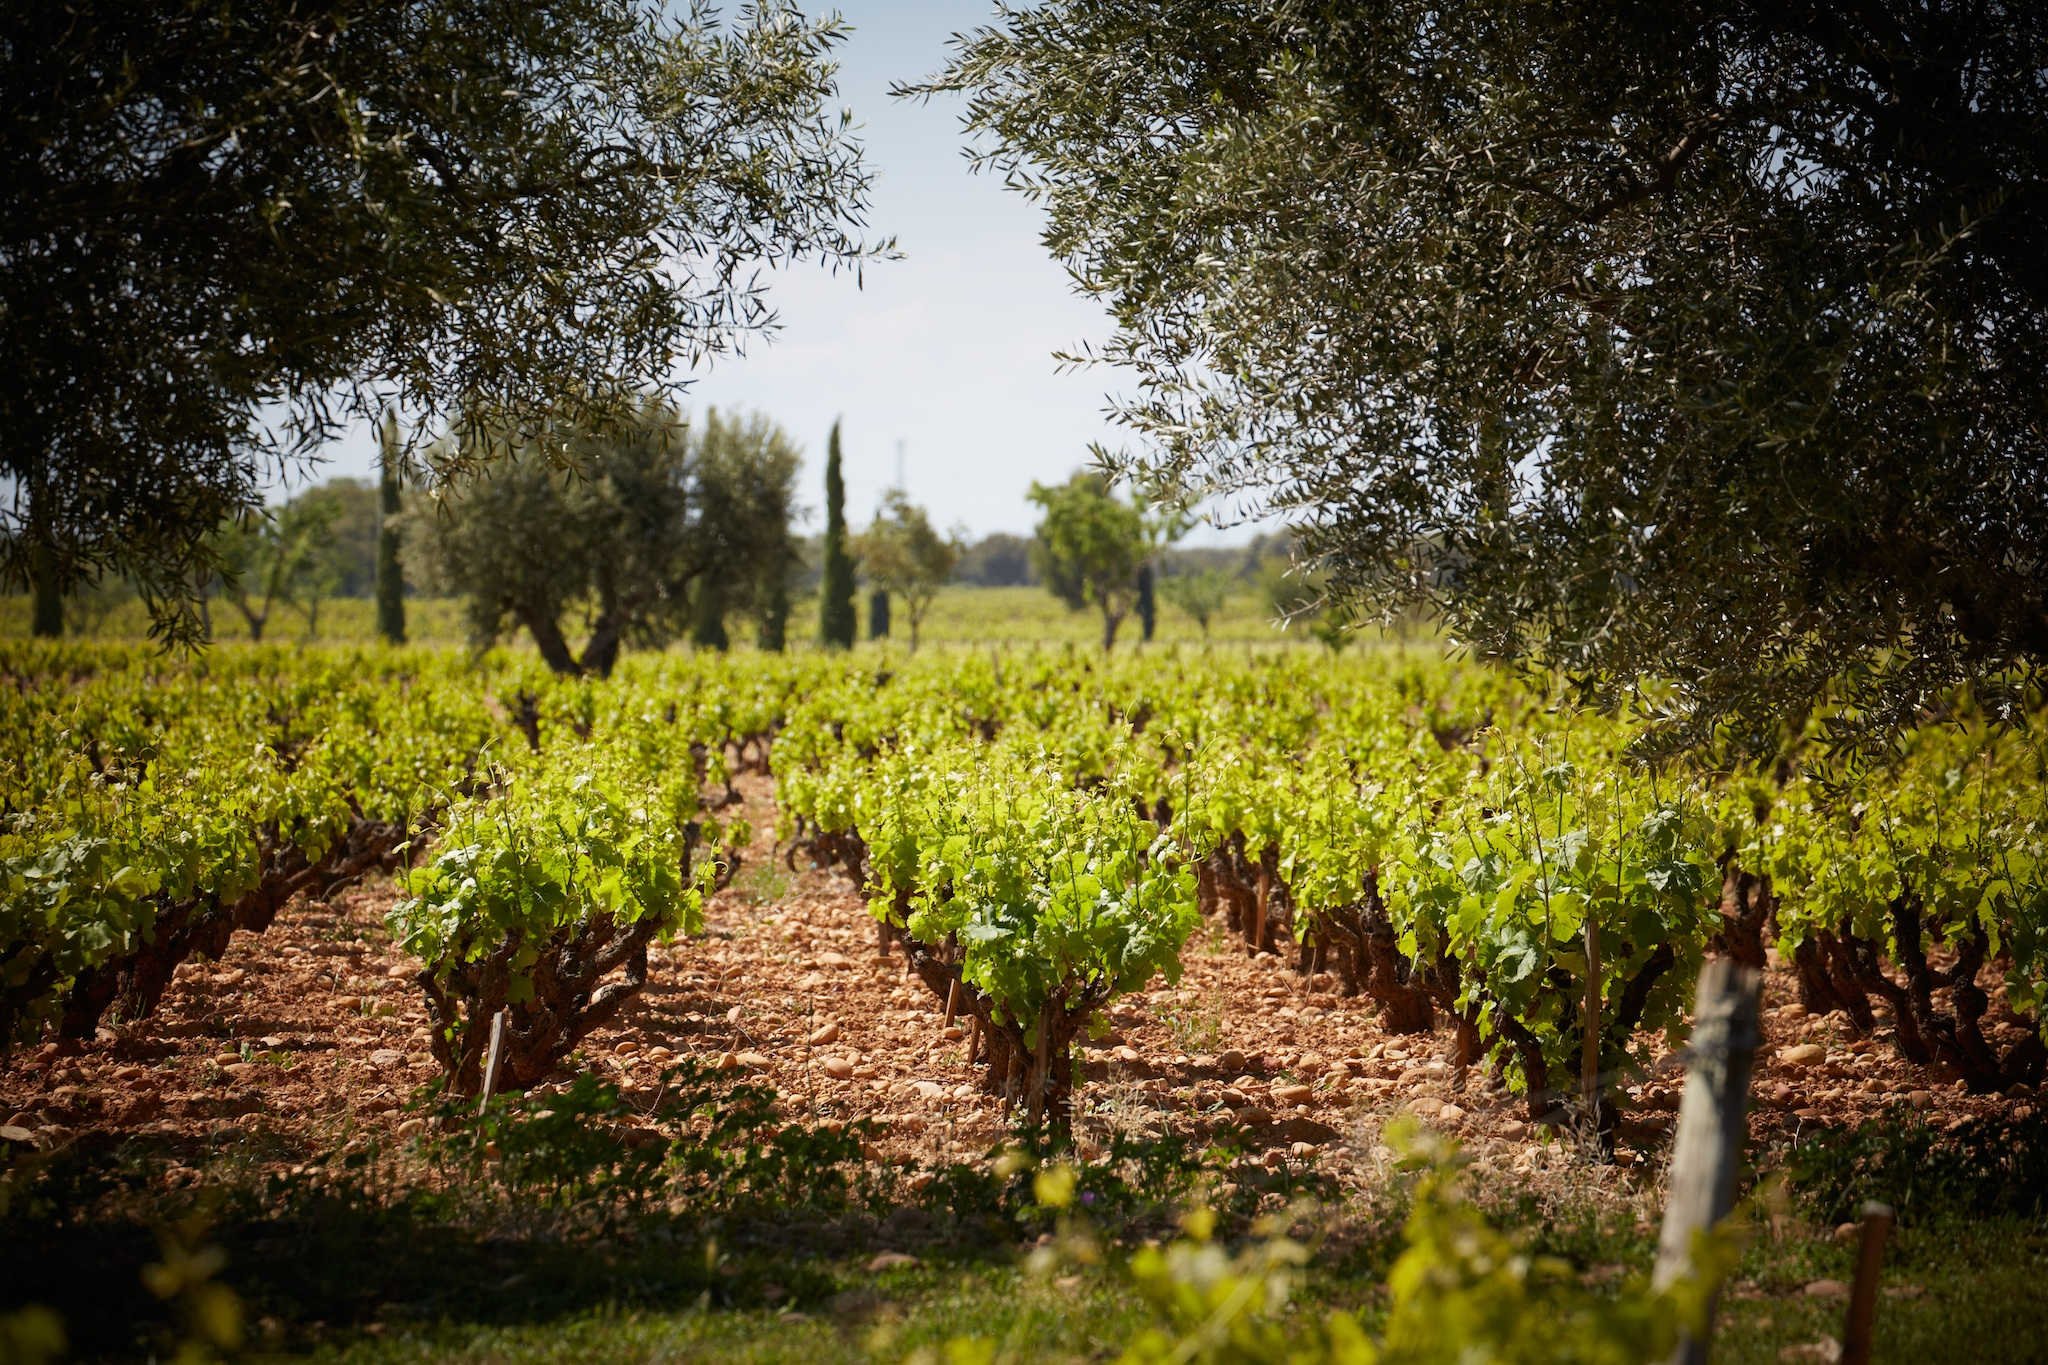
<point>837,620</point>
<point>46,591</point>
<point>390,584</point>
<point>707,623</point>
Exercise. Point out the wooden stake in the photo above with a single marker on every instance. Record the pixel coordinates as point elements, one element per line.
<point>493,1058</point>
<point>952,1002</point>
<point>974,1041</point>
<point>1589,1050</point>
<point>1259,917</point>
<point>1711,1120</point>
<point>1856,1334</point>
<point>1041,1065</point>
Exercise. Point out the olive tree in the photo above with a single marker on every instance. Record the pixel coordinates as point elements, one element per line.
<point>279,557</point>
<point>902,554</point>
<point>1701,341</point>
<point>1201,593</point>
<point>234,228</point>
<point>640,531</point>
<point>1088,547</point>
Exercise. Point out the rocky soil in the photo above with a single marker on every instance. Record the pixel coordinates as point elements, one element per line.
<point>313,1034</point>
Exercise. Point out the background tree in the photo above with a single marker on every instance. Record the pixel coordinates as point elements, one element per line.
<point>90,604</point>
<point>277,557</point>
<point>878,614</point>
<point>389,578</point>
<point>649,533</point>
<point>1202,594</point>
<point>1297,592</point>
<point>837,622</point>
<point>232,228</point>
<point>1088,547</point>
<point>902,554</point>
<point>707,621</point>
<point>1001,560</point>
<point>1147,603</point>
<point>350,556</point>
<point>1700,341</point>
<point>750,468</point>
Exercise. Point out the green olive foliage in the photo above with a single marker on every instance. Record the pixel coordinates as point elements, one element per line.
<point>233,228</point>
<point>647,526</point>
<point>1704,341</point>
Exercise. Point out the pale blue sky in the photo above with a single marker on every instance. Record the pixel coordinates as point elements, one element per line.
<point>948,351</point>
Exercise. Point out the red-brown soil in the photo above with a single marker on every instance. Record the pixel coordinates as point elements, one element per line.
<point>313,1033</point>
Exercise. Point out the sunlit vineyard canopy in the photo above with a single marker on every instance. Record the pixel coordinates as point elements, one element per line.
<point>1701,340</point>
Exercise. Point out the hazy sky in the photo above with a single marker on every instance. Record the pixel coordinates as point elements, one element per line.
<point>946,353</point>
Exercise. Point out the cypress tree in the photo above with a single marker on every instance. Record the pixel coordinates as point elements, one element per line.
<point>389,588</point>
<point>837,621</point>
<point>878,615</point>
<point>1148,604</point>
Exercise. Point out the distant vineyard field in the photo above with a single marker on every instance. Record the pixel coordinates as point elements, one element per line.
<point>962,614</point>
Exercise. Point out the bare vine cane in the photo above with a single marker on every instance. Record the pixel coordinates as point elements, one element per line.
<point>492,1059</point>
<point>1711,1122</point>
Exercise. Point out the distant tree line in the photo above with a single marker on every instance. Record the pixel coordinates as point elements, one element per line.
<point>669,529</point>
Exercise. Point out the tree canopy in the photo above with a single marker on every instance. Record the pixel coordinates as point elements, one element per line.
<point>1089,546</point>
<point>639,532</point>
<point>1201,593</point>
<point>232,228</point>
<point>901,553</point>
<point>1701,342</point>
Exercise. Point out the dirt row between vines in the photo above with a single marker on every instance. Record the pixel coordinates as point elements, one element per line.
<point>311,1037</point>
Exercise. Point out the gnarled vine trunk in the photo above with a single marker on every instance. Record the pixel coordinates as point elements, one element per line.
<point>203,924</point>
<point>566,998</point>
<point>569,1000</point>
<point>1029,1068</point>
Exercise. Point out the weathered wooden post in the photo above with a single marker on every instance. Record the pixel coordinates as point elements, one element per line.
<point>1711,1121</point>
<point>1589,1046</point>
<point>493,1058</point>
<point>1035,1109</point>
<point>1856,1334</point>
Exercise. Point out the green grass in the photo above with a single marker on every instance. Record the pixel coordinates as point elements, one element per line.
<point>342,620</point>
<point>884,1317</point>
<point>1981,1295</point>
<point>969,615</point>
<point>960,615</point>
<point>382,1281</point>
<point>1980,1301</point>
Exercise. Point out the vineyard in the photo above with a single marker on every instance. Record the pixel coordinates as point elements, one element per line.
<point>1386,874</point>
